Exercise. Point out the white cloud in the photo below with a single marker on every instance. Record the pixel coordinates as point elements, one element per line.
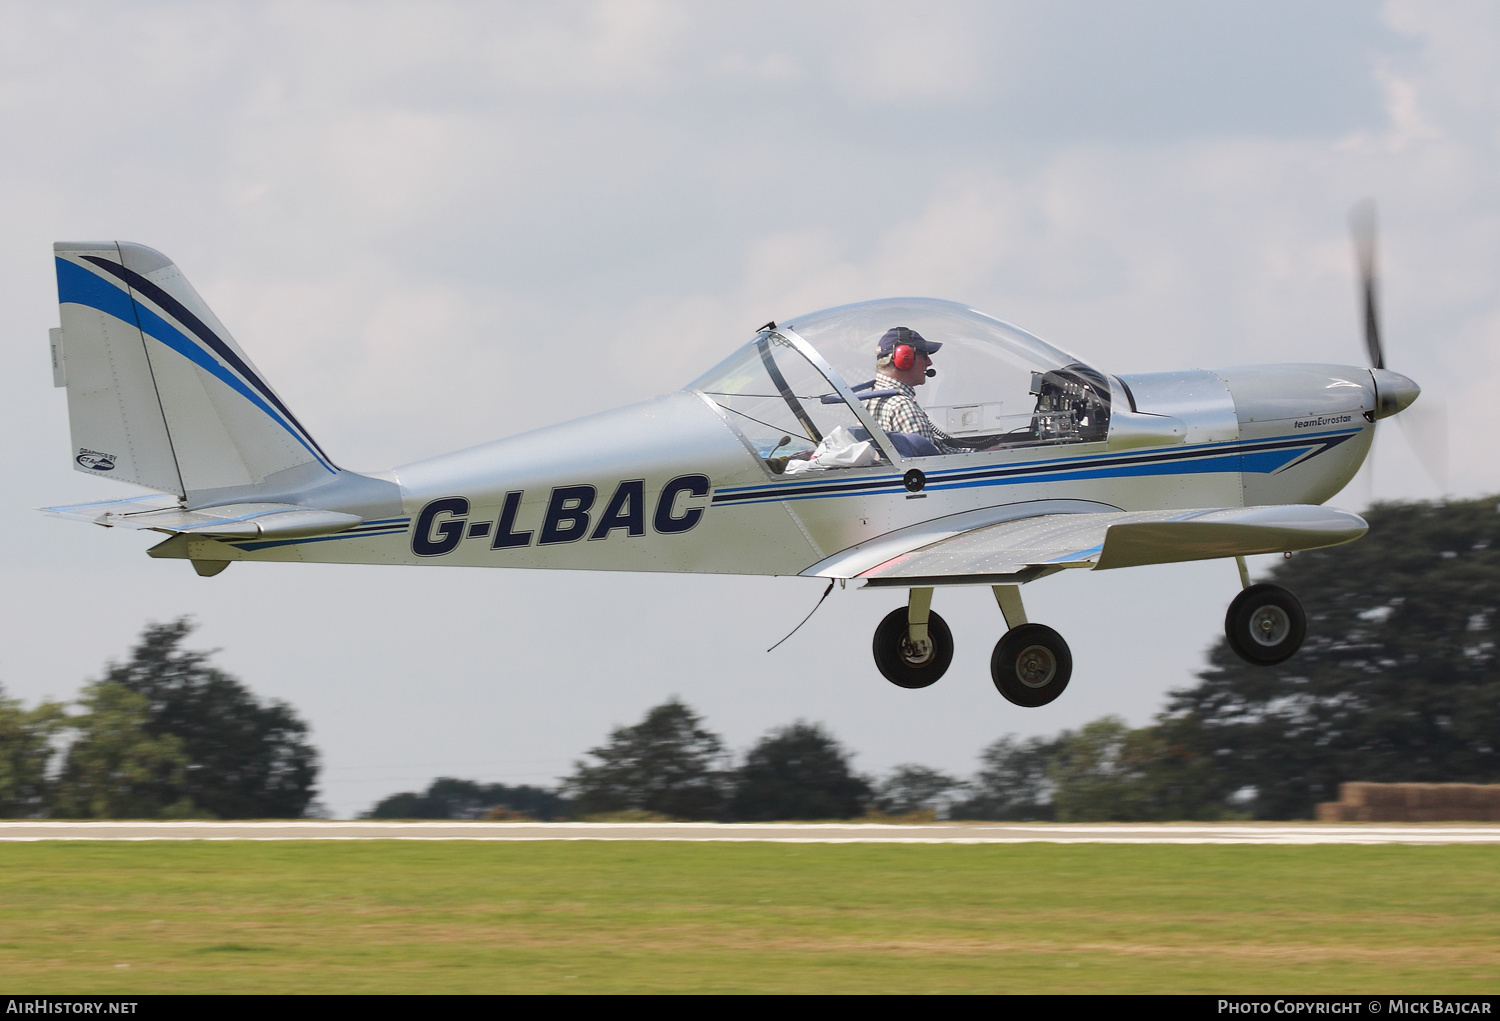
<point>894,51</point>
<point>394,165</point>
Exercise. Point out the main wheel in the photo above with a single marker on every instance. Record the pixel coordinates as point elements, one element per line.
<point>1265,625</point>
<point>1031,665</point>
<point>903,664</point>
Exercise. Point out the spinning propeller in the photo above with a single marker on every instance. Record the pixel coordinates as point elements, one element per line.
<point>1426,426</point>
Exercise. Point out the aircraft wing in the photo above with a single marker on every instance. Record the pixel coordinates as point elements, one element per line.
<point>1025,548</point>
<point>240,520</point>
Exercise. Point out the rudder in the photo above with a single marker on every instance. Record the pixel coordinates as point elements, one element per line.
<point>159,394</point>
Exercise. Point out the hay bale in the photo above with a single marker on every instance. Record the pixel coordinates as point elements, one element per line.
<point>1413,802</point>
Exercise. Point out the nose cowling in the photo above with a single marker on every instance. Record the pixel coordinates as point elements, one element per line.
<point>1393,392</point>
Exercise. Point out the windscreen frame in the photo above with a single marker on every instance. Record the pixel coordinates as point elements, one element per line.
<point>762,350</point>
<point>861,411</point>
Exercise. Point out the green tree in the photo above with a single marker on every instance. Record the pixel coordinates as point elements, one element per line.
<point>1105,772</point>
<point>245,758</point>
<point>1014,780</point>
<point>798,772</point>
<point>26,752</point>
<point>912,788</point>
<point>1397,681</point>
<point>668,763</point>
<point>115,768</point>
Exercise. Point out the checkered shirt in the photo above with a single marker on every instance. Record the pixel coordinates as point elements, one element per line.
<point>900,413</point>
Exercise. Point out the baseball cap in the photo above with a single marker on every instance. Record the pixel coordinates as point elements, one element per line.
<point>902,335</point>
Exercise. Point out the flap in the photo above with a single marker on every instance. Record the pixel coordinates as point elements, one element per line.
<point>872,553</point>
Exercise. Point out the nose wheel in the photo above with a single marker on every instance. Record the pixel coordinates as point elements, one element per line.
<point>1265,625</point>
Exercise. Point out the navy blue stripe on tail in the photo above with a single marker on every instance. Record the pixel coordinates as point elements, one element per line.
<point>185,316</point>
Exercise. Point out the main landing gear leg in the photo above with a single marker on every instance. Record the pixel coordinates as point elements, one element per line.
<point>913,645</point>
<point>1011,607</point>
<point>1265,624</point>
<point>918,612</point>
<point>1031,664</point>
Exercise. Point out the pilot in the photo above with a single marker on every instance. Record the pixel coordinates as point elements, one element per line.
<point>904,361</point>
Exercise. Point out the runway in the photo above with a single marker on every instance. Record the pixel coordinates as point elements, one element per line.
<point>785,833</point>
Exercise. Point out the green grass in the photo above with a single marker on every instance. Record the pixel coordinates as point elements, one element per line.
<point>559,917</point>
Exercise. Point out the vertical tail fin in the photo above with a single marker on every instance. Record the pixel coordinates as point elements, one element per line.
<point>159,394</point>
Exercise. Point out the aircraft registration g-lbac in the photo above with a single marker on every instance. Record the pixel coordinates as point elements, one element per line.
<point>773,462</point>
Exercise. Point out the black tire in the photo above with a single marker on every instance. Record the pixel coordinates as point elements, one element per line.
<point>1265,625</point>
<point>1031,665</point>
<point>894,655</point>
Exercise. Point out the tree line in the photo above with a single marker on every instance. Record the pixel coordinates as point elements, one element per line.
<point>164,735</point>
<point>668,766</point>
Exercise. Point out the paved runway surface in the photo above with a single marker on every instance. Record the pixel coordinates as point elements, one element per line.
<point>937,833</point>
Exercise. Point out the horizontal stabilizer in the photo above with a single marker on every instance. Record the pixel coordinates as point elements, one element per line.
<point>1025,548</point>
<point>94,512</point>
<point>238,520</point>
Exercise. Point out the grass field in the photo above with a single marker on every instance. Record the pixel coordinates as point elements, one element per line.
<point>561,917</point>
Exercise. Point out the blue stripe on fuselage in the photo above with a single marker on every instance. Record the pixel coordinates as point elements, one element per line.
<point>251,547</point>
<point>1251,456</point>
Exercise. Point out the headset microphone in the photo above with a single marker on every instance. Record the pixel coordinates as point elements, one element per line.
<point>931,373</point>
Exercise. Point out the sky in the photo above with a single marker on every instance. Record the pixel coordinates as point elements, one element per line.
<point>436,224</point>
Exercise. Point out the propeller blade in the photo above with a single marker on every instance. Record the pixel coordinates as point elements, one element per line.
<point>1425,426</point>
<point>1362,226</point>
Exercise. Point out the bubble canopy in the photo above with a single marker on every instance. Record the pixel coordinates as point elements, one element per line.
<point>982,360</point>
<point>995,385</point>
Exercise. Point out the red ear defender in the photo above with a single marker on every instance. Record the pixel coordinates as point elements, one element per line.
<point>904,356</point>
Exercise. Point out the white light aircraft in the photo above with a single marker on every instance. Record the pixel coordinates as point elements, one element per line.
<point>796,455</point>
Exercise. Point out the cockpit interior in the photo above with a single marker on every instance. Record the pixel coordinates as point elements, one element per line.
<point>799,393</point>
